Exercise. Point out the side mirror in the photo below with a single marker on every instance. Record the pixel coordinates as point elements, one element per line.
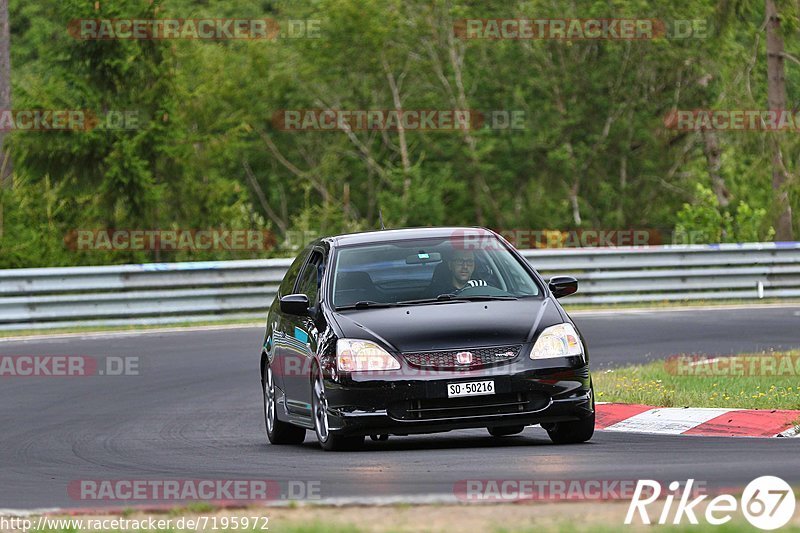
<point>562,286</point>
<point>295,304</point>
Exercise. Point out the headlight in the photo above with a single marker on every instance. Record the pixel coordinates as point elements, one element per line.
<point>560,340</point>
<point>354,355</point>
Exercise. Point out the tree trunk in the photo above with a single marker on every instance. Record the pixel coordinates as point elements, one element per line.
<point>576,206</point>
<point>5,100</point>
<point>401,135</point>
<point>776,99</point>
<point>713,155</point>
<point>5,84</point>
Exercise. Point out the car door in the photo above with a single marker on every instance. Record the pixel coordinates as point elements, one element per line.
<point>275,343</point>
<point>302,336</point>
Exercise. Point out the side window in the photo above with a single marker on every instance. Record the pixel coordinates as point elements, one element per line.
<point>311,278</point>
<point>291,275</point>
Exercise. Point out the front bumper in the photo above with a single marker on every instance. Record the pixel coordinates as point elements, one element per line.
<point>401,404</point>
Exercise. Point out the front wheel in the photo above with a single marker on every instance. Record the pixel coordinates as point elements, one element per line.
<point>571,432</point>
<point>576,431</point>
<point>319,407</point>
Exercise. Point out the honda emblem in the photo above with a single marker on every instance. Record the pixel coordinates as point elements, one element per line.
<point>464,358</point>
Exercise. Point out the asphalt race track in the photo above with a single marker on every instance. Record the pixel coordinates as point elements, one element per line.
<point>194,412</point>
<point>637,337</point>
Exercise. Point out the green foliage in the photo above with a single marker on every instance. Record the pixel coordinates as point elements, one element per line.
<point>593,151</point>
<point>705,221</point>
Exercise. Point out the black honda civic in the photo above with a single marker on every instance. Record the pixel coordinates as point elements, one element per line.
<point>423,330</point>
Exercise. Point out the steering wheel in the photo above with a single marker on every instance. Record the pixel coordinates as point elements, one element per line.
<point>481,290</point>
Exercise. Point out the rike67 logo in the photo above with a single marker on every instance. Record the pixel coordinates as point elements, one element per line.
<point>767,502</point>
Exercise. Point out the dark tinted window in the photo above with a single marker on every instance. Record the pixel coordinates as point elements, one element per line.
<point>311,278</point>
<point>287,285</point>
<point>426,268</point>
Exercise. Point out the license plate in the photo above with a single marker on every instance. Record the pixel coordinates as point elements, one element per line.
<point>470,388</point>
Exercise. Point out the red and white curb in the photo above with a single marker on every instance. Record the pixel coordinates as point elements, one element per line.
<point>697,421</point>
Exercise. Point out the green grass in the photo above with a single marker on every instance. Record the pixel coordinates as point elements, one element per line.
<point>193,508</point>
<point>316,527</point>
<point>564,517</point>
<point>659,384</point>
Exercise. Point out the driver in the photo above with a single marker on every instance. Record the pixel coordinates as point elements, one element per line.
<point>461,265</point>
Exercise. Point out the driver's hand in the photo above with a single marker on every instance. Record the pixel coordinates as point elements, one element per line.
<point>475,283</point>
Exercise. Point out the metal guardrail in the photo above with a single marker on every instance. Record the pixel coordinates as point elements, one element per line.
<point>188,292</point>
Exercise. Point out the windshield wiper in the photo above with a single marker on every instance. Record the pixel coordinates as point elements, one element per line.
<point>479,297</point>
<point>450,298</point>
<point>442,298</point>
<point>364,304</point>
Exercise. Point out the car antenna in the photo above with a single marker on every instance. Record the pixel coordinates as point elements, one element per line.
<point>380,216</point>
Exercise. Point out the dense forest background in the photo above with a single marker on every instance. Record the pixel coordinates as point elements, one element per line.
<point>594,151</point>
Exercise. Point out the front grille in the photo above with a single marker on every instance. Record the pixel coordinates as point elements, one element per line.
<point>496,404</point>
<point>481,357</point>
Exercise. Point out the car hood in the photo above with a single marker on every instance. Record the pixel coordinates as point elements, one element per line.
<point>448,326</point>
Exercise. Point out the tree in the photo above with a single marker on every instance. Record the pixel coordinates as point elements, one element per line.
<point>776,99</point>
<point>5,84</point>
<point>593,150</point>
<point>5,98</point>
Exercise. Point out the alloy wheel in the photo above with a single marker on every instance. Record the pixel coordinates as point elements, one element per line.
<point>320,410</point>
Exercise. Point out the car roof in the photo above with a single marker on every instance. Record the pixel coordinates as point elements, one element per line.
<point>390,235</point>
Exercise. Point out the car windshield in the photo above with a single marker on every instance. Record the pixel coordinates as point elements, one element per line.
<point>428,271</point>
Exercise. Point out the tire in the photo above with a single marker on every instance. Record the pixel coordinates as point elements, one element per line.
<point>277,432</point>
<point>319,410</point>
<point>571,432</point>
<point>504,431</point>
